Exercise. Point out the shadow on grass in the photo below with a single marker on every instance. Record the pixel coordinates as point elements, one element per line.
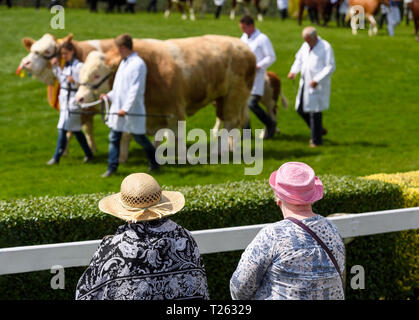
<point>327,141</point>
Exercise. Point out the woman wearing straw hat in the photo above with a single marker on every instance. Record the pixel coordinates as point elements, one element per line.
<point>301,257</point>
<point>150,257</point>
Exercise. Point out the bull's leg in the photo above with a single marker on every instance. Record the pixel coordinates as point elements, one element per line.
<point>87,126</point>
<point>67,146</point>
<point>219,105</point>
<point>417,28</point>
<point>124,147</point>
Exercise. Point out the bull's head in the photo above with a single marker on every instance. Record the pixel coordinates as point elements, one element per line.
<point>94,78</point>
<point>40,53</point>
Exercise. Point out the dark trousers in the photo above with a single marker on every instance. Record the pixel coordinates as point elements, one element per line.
<point>152,6</point>
<point>62,143</point>
<point>218,11</point>
<point>115,143</point>
<point>313,120</point>
<point>253,104</point>
<point>8,2</point>
<point>93,5</point>
<point>284,13</point>
<point>130,7</point>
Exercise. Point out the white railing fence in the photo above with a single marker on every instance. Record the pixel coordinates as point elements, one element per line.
<point>77,254</point>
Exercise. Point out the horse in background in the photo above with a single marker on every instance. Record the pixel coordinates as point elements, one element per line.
<point>414,7</point>
<point>260,5</point>
<point>182,5</point>
<point>324,8</point>
<point>370,10</point>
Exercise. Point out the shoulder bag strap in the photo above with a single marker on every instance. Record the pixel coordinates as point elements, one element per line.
<point>329,253</point>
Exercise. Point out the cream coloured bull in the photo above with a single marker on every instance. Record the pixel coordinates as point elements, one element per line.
<point>47,47</point>
<point>183,76</point>
<point>272,92</point>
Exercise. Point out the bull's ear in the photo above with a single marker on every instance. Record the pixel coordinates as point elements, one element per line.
<point>27,43</point>
<point>68,38</point>
<point>112,59</point>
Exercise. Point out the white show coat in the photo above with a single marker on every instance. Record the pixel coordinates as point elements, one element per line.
<point>67,121</point>
<point>128,95</point>
<point>264,52</point>
<point>282,4</point>
<point>219,3</point>
<point>317,64</point>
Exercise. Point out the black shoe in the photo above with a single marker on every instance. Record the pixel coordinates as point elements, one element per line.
<point>52,162</point>
<point>324,131</point>
<point>88,159</point>
<point>155,167</point>
<point>108,173</point>
<point>270,131</point>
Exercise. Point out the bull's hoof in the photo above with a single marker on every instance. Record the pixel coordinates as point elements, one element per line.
<point>192,17</point>
<point>166,13</point>
<point>260,17</point>
<point>417,38</point>
<point>122,159</point>
<point>354,32</point>
<point>184,17</point>
<point>232,15</point>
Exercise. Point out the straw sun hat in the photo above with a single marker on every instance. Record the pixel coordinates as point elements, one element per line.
<point>142,199</point>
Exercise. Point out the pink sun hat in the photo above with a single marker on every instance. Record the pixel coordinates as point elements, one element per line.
<point>296,183</point>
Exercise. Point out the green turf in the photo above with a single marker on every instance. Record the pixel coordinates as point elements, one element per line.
<point>373,120</point>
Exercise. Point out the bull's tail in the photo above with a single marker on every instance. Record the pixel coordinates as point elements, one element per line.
<point>275,83</point>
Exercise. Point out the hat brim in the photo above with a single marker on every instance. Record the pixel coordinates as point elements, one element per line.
<point>170,201</point>
<point>283,195</point>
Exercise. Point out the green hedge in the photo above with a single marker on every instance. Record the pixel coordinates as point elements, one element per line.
<point>389,260</point>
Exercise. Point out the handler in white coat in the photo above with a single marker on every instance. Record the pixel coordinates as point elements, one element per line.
<point>127,97</point>
<point>316,62</point>
<point>264,52</point>
<point>70,117</point>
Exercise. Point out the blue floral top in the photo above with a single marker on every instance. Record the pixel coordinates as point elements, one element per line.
<point>285,262</point>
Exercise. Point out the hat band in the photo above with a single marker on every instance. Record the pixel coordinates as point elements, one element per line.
<point>136,213</point>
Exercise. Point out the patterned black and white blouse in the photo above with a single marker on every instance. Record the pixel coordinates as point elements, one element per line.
<point>154,260</point>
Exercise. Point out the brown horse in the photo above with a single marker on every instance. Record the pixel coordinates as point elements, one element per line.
<point>315,7</point>
<point>246,4</point>
<point>370,8</point>
<point>182,5</point>
<point>414,6</point>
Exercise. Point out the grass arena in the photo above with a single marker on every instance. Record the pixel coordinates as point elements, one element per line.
<point>372,122</point>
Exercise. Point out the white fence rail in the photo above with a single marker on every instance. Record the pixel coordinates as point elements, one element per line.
<point>77,254</point>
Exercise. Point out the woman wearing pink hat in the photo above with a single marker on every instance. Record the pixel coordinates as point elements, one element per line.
<point>301,257</point>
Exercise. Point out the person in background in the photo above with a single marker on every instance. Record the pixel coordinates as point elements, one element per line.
<point>150,257</point>
<point>152,6</point>
<point>219,6</point>
<point>68,78</point>
<point>127,96</point>
<point>130,6</point>
<point>264,52</point>
<point>316,62</point>
<point>93,5</point>
<point>283,8</point>
<point>299,258</point>
<point>8,3</point>
<point>393,16</point>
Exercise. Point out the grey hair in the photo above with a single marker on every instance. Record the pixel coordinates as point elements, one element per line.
<point>309,32</point>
